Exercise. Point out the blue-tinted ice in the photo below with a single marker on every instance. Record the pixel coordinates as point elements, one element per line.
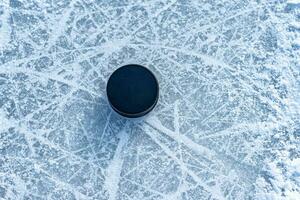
<point>227,124</point>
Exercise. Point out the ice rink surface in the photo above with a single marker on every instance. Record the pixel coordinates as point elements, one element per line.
<point>227,124</point>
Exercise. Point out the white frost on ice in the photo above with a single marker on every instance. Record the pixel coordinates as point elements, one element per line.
<point>113,171</point>
<point>5,28</point>
<point>226,125</point>
<point>285,181</point>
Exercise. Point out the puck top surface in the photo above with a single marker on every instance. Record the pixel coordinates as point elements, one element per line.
<point>132,90</point>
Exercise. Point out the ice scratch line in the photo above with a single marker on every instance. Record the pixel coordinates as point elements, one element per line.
<point>215,191</point>
<point>156,124</point>
<point>112,179</point>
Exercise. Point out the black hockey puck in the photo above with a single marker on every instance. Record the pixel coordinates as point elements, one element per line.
<point>132,90</point>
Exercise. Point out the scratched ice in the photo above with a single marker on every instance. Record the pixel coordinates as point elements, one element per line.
<point>227,125</point>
